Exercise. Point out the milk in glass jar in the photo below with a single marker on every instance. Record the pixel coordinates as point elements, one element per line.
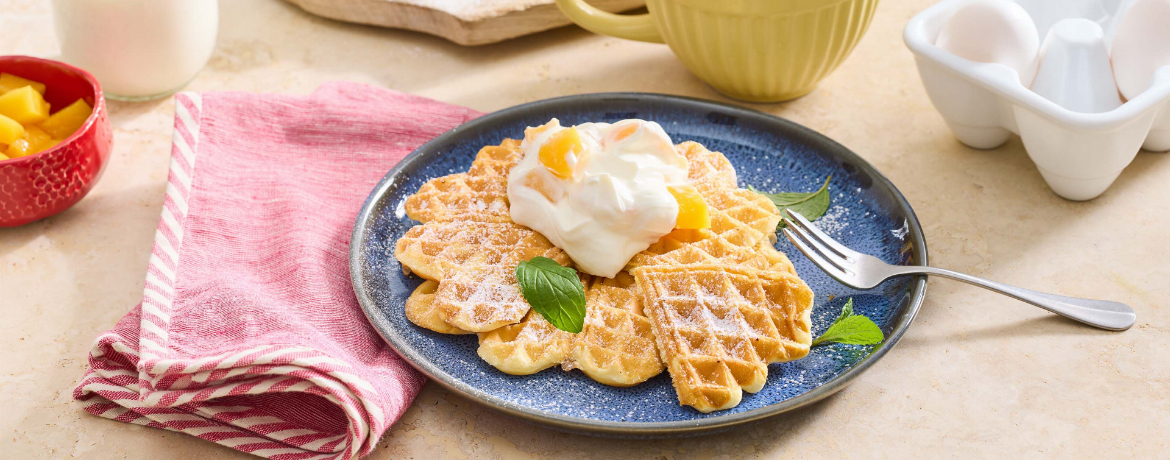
<point>137,49</point>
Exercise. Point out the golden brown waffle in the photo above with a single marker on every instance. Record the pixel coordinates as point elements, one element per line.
<point>706,169</point>
<point>677,238</point>
<point>527,347</point>
<point>710,248</point>
<point>432,249</point>
<point>460,197</point>
<point>481,298</point>
<point>718,327</point>
<point>672,241</point>
<point>420,310</point>
<point>616,347</point>
<point>738,218</point>
<point>743,217</point>
<point>479,195</point>
<point>683,247</point>
<point>475,264</point>
<point>778,260</point>
<point>496,160</point>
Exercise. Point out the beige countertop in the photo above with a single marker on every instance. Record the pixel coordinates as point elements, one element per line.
<point>977,375</point>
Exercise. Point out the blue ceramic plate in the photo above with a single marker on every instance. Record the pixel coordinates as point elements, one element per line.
<point>770,153</point>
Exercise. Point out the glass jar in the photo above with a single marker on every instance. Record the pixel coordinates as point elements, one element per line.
<point>137,49</point>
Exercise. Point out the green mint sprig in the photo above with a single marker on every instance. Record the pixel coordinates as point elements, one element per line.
<point>553,291</point>
<point>851,329</point>
<point>810,205</point>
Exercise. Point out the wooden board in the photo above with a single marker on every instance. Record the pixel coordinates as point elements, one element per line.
<point>466,22</point>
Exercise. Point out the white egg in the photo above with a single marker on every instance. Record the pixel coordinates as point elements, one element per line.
<point>1141,45</point>
<point>997,31</point>
<point>1074,68</point>
<point>1046,13</point>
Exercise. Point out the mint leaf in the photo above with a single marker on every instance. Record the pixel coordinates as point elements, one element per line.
<point>846,312</point>
<point>810,205</point>
<point>553,291</point>
<point>851,329</point>
<point>854,330</point>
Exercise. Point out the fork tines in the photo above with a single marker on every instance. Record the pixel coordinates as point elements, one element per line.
<point>831,256</point>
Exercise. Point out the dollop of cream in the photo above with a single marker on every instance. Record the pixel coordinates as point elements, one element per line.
<point>614,205</point>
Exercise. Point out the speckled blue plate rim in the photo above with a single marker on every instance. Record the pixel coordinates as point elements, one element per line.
<point>622,428</point>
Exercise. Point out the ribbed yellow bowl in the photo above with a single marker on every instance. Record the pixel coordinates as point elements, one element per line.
<point>762,50</point>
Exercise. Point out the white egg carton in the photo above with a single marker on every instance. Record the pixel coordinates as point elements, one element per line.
<point>1078,154</point>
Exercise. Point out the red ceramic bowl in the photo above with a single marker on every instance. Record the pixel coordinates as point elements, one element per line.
<point>44,184</point>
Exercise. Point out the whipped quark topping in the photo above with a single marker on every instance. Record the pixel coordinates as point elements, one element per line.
<point>601,193</point>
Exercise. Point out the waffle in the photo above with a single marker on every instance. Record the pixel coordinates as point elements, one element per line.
<point>706,169</point>
<point>677,238</point>
<point>708,248</point>
<point>743,217</point>
<point>460,197</point>
<point>616,347</point>
<point>742,231</point>
<point>496,160</point>
<point>527,347</point>
<point>479,195</point>
<point>718,327</point>
<point>433,249</point>
<point>475,264</point>
<point>420,310</point>
<point>779,261</point>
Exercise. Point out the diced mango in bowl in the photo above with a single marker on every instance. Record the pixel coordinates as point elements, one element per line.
<point>10,130</point>
<point>34,140</point>
<point>25,105</point>
<point>9,82</point>
<point>27,124</point>
<point>67,120</point>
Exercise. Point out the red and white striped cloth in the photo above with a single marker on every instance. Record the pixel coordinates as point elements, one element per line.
<point>249,334</point>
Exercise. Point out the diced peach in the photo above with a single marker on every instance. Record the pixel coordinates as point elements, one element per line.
<point>9,82</point>
<point>692,210</point>
<point>4,157</point>
<point>10,130</point>
<point>33,141</point>
<point>24,105</point>
<point>554,154</point>
<point>67,120</point>
<point>624,132</point>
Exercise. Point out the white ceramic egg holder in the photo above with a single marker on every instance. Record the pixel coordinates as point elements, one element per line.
<point>1078,154</point>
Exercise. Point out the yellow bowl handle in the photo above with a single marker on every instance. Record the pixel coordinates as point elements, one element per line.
<point>631,27</point>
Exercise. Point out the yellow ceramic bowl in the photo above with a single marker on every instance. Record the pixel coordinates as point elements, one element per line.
<point>754,50</point>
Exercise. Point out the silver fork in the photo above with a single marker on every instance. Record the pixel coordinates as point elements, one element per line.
<point>863,271</point>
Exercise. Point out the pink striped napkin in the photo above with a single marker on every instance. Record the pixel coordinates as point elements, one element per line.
<point>248,334</point>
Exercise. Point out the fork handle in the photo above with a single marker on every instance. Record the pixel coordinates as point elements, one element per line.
<point>1105,314</point>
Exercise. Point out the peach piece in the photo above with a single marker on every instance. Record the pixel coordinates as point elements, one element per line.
<point>554,154</point>
<point>692,210</point>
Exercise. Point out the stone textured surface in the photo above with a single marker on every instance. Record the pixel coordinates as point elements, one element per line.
<point>977,375</point>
